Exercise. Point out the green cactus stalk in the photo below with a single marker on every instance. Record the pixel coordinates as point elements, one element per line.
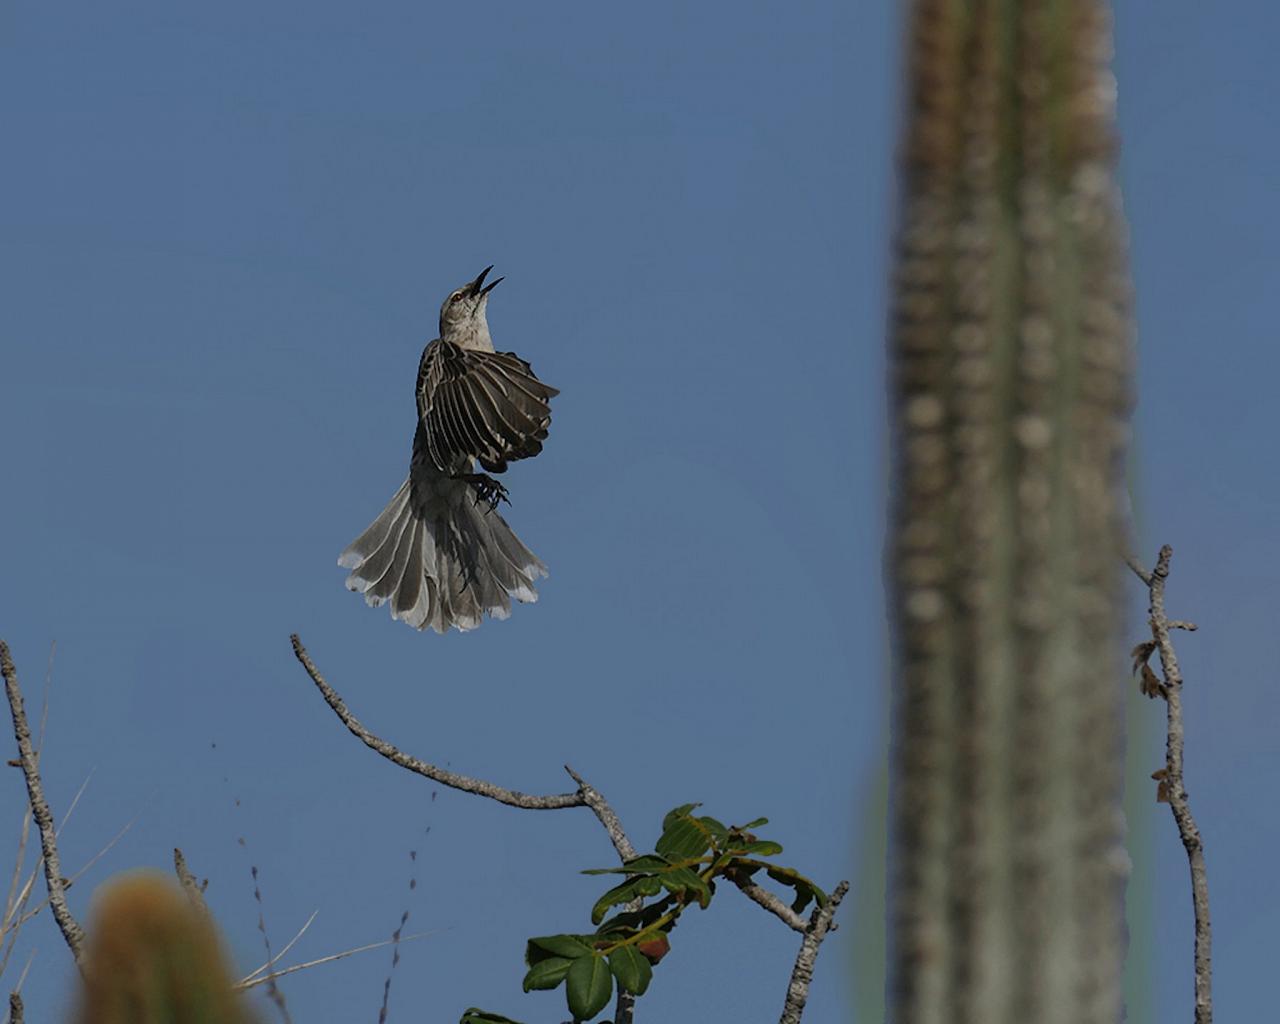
<point>155,958</point>
<point>1010,360</point>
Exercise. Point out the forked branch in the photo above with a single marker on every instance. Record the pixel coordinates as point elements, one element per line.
<point>1171,789</point>
<point>802,972</point>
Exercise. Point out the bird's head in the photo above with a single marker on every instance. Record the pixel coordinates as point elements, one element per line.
<point>462,315</point>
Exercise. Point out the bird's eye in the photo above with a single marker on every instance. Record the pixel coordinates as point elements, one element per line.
<point>455,296</point>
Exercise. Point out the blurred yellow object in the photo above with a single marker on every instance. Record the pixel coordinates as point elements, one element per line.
<point>155,958</point>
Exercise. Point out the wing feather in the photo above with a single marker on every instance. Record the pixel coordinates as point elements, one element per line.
<point>481,405</point>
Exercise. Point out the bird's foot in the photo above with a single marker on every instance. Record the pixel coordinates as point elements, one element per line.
<point>488,490</point>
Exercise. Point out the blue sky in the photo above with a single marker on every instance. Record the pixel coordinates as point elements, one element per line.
<point>225,230</point>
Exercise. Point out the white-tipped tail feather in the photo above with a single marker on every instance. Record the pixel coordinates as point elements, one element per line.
<point>440,558</point>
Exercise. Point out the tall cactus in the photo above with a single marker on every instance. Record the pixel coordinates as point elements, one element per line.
<point>154,958</point>
<point>1010,362</point>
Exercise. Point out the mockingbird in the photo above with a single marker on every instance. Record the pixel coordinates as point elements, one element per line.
<point>440,552</point>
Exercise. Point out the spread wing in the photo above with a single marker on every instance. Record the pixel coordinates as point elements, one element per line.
<point>483,405</point>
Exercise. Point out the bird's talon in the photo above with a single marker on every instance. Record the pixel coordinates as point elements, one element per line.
<point>488,490</point>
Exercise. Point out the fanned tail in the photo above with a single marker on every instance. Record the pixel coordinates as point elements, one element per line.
<point>439,558</point>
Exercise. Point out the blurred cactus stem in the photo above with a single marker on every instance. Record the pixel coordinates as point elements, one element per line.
<point>1010,362</point>
<point>154,958</point>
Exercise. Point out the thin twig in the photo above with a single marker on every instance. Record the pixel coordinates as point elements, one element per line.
<point>777,907</point>
<point>1142,574</point>
<point>446,778</point>
<point>193,889</point>
<point>1172,781</point>
<point>802,972</point>
<point>590,796</point>
<point>16,1009</point>
<point>26,969</point>
<point>71,930</point>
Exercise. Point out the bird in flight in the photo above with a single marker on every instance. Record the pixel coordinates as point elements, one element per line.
<point>440,553</point>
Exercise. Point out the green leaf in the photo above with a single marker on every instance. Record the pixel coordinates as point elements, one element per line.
<point>475,1016</point>
<point>546,973</point>
<point>631,968</point>
<point>543,946</point>
<point>684,839</point>
<point>634,921</point>
<point>761,847</point>
<point>623,893</point>
<point>618,927</point>
<point>756,823</point>
<point>678,881</point>
<point>805,889</point>
<point>716,829</point>
<point>588,987</point>
<point>649,885</point>
<point>648,863</point>
<point>679,812</point>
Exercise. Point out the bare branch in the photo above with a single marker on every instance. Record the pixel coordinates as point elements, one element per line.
<point>16,913</point>
<point>777,907</point>
<point>590,796</point>
<point>446,778</point>
<point>802,972</point>
<point>71,930</point>
<point>1137,568</point>
<point>1172,778</point>
<point>27,915</point>
<point>11,907</point>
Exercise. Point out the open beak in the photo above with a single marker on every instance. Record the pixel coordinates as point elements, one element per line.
<point>479,289</point>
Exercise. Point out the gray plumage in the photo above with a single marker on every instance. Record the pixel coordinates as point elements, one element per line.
<point>440,553</point>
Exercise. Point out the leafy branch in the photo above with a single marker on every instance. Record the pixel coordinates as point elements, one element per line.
<point>690,855</point>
